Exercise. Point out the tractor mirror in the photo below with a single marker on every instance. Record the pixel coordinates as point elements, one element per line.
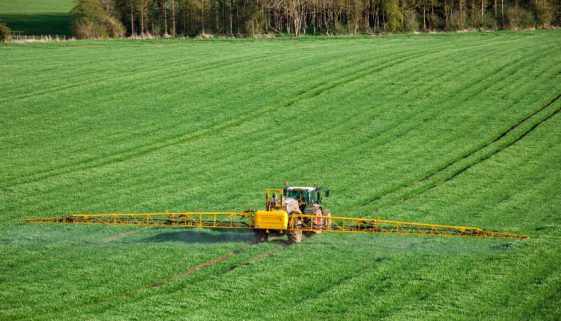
<point>327,192</point>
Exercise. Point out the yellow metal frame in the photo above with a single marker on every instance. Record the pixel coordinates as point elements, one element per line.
<point>276,218</point>
<point>303,222</point>
<point>224,220</point>
<point>338,224</point>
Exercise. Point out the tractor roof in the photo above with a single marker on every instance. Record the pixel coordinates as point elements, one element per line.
<point>302,188</point>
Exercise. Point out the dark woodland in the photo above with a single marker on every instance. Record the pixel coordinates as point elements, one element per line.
<point>243,18</point>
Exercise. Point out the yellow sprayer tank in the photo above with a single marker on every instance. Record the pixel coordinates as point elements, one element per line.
<point>271,220</point>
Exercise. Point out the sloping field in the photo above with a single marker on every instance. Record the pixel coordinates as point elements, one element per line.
<point>37,17</point>
<point>461,129</point>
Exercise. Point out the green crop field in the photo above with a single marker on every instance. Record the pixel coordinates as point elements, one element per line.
<point>458,129</point>
<point>37,17</point>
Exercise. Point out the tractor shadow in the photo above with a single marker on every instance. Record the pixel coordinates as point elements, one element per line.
<point>192,237</point>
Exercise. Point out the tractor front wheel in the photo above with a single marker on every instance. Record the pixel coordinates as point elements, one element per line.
<point>261,236</point>
<point>294,236</point>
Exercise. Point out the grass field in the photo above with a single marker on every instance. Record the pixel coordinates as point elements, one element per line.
<point>37,17</point>
<point>461,129</point>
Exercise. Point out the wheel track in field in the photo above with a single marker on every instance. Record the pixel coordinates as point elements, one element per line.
<point>517,139</point>
<point>344,280</point>
<point>215,261</point>
<point>475,85</point>
<point>163,67</point>
<point>285,139</point>
<point>351,279</point>
<point>174,76</point>
<point>501,141</point>
<point>245,158</point>
<point>143,292</point>
<point>172,138</point>
<point>366,141</point>
<point>183,274</point>
<point>99,80</point>
<point>226,269</point>
<point>140,74</point>
<point>257,258</point>
<point>266,254</point>
<point>182,138</point>
<point>406,185</point>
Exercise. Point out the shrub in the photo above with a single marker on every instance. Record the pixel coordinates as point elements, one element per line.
<point>91,21</point>
<point>4,32</point>
<point>395,17</point>
<point>545,13</point>
<point>410,20</point>
<point>114,27</point>
<point>518,17</point>
<point>457,21</point>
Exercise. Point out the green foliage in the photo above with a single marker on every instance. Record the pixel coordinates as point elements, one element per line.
<point>457,21</point>
<point>110,126</point>
<point>519,17</point>
<point>410,22</point>
<point>545,13</point>
<point>92,21</point>
<point>4,32</point>
<point>394,14</point>
<point>89,9</point>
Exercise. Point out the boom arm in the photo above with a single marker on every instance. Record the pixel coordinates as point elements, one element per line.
<point>303,222</point>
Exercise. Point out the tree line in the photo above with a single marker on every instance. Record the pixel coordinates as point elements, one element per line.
<point>171,18</point>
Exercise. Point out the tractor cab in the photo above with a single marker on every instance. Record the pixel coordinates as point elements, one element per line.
<point>306,196</point>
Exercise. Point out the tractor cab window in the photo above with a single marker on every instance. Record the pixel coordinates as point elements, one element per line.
<point>293,194</point>
<point>305,196</point>
<point>317,197</point>
<point>302,196</point>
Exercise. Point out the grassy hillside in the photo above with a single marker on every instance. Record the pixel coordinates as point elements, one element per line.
<point>460,129</point>
<point>37,17</point>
